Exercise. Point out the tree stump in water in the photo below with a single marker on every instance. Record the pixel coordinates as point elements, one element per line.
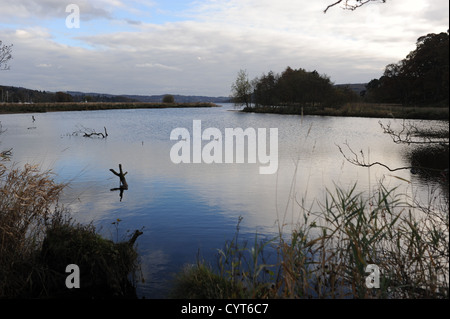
<point>121,174</point>
<point>123,182</point>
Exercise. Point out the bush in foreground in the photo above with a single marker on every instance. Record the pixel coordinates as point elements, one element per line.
<point>38,241</point>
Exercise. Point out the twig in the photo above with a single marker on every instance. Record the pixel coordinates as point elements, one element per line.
<point>362,163</point>
<point>6,154</point>
<point>408,132</point>
<point>352,7</point>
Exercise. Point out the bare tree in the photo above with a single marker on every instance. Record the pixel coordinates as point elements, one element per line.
<point>241,90</point>
<point>351,4</point>
<point>5,55</point>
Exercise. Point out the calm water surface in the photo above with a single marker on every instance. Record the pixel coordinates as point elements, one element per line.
<point>191,209</point>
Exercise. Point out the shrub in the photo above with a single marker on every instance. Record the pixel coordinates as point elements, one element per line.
<point>38,240</point>
<point>168,98</point>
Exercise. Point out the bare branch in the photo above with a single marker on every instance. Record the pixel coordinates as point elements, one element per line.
<point>351,4</point>
<point>90,132</point>
<point>356,160</point>
<point>5,55</point>
<point>410,134</point>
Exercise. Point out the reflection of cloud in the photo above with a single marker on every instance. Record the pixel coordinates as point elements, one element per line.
<point>234,189</point>
<point>154,265</point>
<point>184,205</point>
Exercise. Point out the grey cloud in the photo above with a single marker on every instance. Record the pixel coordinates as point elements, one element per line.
<point>156,59</point>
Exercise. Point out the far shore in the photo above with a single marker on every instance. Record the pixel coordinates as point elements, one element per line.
<point>372,110</point>
<point>12,108</point>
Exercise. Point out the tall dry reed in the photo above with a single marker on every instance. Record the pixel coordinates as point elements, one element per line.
<point>27,199</point>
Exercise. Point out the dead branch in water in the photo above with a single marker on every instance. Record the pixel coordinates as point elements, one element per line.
<point>91,133</point>
<point>121,175</point>
<point>123,182</point>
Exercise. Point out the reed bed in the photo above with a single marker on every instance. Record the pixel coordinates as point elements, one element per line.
<point>327,254</point>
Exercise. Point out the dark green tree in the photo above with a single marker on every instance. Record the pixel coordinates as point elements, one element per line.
<point>63,97</point>
<point>266,89</point>
<point>422,78</point>
<point>168,98</point>
<point>296,88</point>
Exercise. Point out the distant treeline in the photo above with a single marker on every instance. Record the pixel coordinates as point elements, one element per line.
<point>11,94</point>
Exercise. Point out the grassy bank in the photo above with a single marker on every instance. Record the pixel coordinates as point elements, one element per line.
<point>360,110</point>
<point>7,108</point>
<point>38,241</point>
<point>327,254</point>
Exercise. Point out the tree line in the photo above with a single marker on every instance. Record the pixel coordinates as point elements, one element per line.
<point>11,94</point>
<point>422,78</point>
<point>292,88</point>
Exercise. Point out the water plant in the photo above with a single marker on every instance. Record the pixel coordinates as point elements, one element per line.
<point>327,253</point>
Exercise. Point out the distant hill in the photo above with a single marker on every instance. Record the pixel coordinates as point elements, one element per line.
<point>357,87</point>
<point>23,95</point>
<point>156,98</point>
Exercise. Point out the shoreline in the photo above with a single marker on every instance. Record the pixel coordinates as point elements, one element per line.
<point>16,108</point>
<point>368,110</point>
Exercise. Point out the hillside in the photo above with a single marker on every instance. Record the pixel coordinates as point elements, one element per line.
<point>13,94</point>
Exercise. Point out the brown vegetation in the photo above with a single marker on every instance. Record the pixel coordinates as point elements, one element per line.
<point>91,106</point>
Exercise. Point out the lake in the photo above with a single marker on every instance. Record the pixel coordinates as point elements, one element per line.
<point>190,210</point>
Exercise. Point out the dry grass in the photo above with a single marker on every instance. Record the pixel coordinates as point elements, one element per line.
<point>361,109</point>
<point>38,240</point>
<point>27,199</point>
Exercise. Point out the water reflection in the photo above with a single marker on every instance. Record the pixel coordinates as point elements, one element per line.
<point>187,208</point>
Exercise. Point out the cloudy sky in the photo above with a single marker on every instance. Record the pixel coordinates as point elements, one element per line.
<point>196,47</point>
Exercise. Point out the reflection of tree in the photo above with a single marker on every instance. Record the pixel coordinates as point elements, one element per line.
<point>4,154</point>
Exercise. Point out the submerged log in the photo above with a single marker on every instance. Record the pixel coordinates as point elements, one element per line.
<point>103,135</point>
<point>135,236</point>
